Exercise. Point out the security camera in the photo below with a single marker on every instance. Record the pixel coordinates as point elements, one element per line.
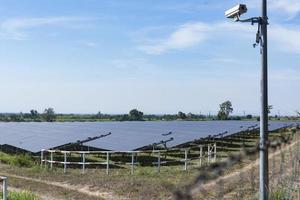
<point>236,11</point>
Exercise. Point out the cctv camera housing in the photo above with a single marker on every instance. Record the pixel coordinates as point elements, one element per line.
<point>236,11</point>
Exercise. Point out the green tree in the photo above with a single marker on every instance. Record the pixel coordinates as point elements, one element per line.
<point>99,115</point>
<point>169,117</point>
<point>249,116</point>
<point>135,115</point>
<point>49,115</point>
<point>225,110</point>
<point>17,117</point>
<point>124,118</point>
<point>181,115</point>
<point>270,107</point>
<point>34,114</point>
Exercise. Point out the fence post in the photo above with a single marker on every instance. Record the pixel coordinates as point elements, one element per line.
<point>158,162</point>
<point>107,162</point>
<point>208,154</point>
<point>51,160</point>
<point>132,163</point>
<point>185,159</point>
<point>215,152</point>
<point>65,162</point>
<point>221,142</point>
<point>42,157</point>
<point>4,188</point>
<point>200,155</point>
<point>83,163</point>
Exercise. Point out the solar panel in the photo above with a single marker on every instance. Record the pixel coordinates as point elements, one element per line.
<point>36,136</point>
<point>125,136</point>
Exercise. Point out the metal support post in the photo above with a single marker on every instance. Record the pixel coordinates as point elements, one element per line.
<point>51,160</point>
<point>262,39</point>
<point>65,162</point>
<point>4,188</point>
<point>200,155</point>
<point>264,166</point>
<point>42,157</point>
<point>83,163</point>
<point>158,162</point>
<point>215,152</point>
<point>208,154</point>
<point>185,159</point>
<point>132,163</point>
<point>107,162</point>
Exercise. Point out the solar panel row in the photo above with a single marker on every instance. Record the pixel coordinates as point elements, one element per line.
<point>34,136</point>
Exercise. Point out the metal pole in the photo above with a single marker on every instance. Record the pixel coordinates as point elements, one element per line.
<point>185,159</point>
<point>132,163</point>
<point>4,188</point>
<point>200,156</point>
<point>83,163</point>
<point>107,162</point>
<point>263,171</point>
<point>215,152</point>
<point>65,162</point>
<point>158,162</point>
<point>42,157</point>
<point>208,154</point>
<point>51,159</point>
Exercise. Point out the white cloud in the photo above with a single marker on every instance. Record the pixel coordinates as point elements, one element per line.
<point>185,36</point>
<point>289,7</point>
<point>284,38</point>
<point>190,7</point>
<point>190,35</point>
<point>280,8</point>
<point>16,28</point>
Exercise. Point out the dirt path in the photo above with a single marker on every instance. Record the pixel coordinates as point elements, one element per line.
<point>84,189</point>
<point>247,168</point>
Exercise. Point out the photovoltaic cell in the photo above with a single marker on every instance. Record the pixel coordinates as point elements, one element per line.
<point>34,136</point>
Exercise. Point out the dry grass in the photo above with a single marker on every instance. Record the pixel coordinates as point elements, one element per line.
<point>242,181</point>
<point>146,183</point>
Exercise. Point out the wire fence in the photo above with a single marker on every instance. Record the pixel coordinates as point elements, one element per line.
<point>237,177</point>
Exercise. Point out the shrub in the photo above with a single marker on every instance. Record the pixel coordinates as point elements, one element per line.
<point>24,195</point>
<point>20,160</point>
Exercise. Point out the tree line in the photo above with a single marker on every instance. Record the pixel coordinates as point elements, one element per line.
<point>49,115</point>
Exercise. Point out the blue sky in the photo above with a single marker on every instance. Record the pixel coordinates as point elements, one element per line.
<point>82,56</point>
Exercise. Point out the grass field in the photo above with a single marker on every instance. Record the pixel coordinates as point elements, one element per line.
<point>24,173</point>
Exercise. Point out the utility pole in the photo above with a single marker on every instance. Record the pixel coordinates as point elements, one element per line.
<point>262,39</point>
<point>263,154</point>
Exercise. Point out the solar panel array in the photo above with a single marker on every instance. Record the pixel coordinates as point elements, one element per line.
<point>34,136</point>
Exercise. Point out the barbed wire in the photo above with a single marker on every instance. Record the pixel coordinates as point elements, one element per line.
<point>216,170</point>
